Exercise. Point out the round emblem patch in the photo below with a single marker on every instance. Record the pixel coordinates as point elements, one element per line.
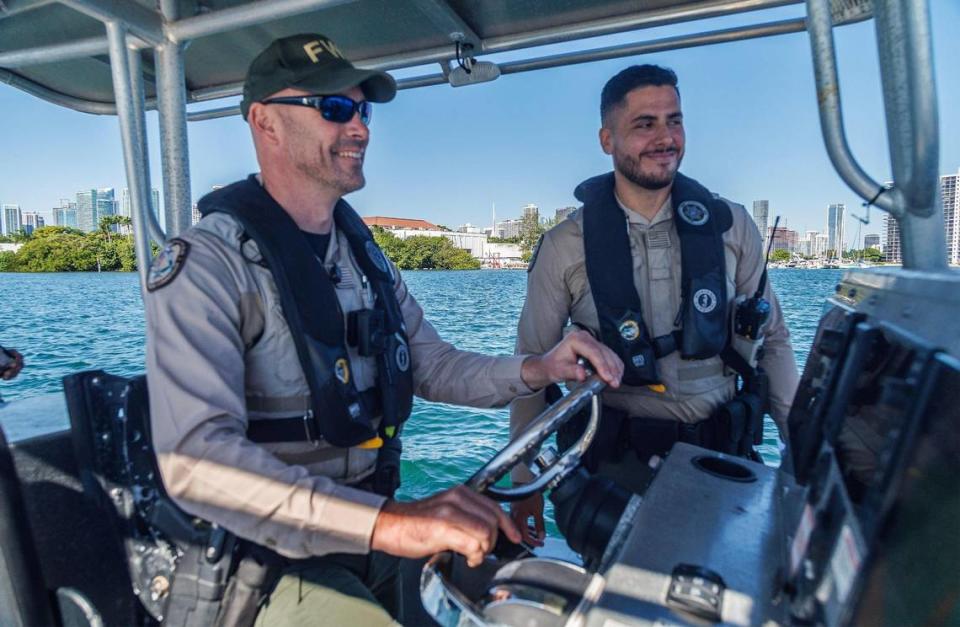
<point>629,330</point>
<point>705,301</point>
<point>402,355</point>
<point>167,264</point>
<point>693,212</point>
<point>377,257</point>
<point>341,369</point>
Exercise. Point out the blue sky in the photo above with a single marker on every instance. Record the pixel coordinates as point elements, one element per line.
<point>446,154</point>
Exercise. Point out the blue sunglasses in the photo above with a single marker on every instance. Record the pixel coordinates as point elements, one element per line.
<point>338,109</point>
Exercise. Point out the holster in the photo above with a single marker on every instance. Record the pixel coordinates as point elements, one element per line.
<point>256,575</point>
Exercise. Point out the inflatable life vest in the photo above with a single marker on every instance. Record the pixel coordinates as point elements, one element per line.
<point>701,220</point>
<point>316,322</point>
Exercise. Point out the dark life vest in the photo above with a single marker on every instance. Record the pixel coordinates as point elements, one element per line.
<point>701,221</point>
<point>312,311</point>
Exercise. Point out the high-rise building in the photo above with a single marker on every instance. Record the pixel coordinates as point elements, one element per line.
<point>195,214</point>
<point>891,245</point>
<point>820,247</point>
<point>32,221</point>
<point>93,204</point>
<point>507,229</point>
<point>126,205</point>
<point>66,213</point>
<point>106,204</point>
<point>531,212</point>
<point>950,198</point>
<point>761,211</point>
<point>950,203</point>
<point>11,219</point>
<point>783,239</point>
<point>87,216</point>
<point>836,214</point>
<point>563,212</point>
<point>871,240</point>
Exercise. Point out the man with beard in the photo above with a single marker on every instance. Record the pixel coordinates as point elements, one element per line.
<point>284,351</point>
<point>651,265</point>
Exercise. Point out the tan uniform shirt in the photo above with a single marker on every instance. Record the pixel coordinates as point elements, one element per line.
<point>219,351</point>
<point>558,292</point>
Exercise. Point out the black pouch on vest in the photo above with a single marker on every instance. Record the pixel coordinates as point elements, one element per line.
<point>652,436</point>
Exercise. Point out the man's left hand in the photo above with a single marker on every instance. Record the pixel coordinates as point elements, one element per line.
<point>560,363</point>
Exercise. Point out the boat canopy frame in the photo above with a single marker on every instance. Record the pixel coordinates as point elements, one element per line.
<point>141,41</point>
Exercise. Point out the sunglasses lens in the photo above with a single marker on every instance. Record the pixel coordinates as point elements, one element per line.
<point>366,112</point>
<point>336,109</point>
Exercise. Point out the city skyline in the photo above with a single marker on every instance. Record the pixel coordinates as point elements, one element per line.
<point>445,155</point>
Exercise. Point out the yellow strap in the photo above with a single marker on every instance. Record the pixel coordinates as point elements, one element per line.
<point>658,387</point>
<point>374,442</point>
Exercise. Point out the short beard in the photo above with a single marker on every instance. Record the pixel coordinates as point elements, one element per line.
<point>629,167</point>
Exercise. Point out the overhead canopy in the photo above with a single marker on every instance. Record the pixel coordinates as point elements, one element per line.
<point>58,50</point>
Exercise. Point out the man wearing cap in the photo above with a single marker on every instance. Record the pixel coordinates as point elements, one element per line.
<point>284,350</point>
<point>668,275</point>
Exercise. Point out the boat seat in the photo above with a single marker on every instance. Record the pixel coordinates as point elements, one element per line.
<point>24,599</point>
<point>178,564</point>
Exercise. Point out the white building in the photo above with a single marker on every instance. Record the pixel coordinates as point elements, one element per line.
<point>761,211</point>
<point>820,245</point>
<point>836,215</point>
<point>11,219</point>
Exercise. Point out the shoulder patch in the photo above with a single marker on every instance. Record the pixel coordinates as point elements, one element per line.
<point>167,264</point>
<point>536,251</point>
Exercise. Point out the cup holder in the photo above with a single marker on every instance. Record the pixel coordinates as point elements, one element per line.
<point>724,468</point>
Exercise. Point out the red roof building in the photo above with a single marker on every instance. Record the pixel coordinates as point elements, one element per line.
<point>400,223</point>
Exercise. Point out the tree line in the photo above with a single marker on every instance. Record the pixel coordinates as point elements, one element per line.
<point>65,249</point>
<point>421,252</point>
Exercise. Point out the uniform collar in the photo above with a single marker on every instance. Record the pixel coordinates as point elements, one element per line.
<point>663,215</point>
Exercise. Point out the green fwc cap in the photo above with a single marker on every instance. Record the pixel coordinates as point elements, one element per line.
<point>313,63</point>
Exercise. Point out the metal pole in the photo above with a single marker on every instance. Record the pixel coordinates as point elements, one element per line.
<point>89,47</point>
<point>174,146</point>
<point>909,93</point>
<point>820,27</point>
<point>57,98</point>
<point>132,139</point>
<point>611,52</point>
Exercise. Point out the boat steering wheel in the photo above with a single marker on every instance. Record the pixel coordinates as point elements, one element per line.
<point>551,468</point>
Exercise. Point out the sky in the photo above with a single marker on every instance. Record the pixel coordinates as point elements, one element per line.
<point>447,155</point>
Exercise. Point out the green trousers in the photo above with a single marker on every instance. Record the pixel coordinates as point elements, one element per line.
<point>337,589</point>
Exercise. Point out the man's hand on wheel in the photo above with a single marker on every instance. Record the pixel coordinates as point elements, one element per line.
<point>458,520</point>
<point>560,362</point>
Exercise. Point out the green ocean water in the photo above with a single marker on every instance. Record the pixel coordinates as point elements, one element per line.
<point>63,323</point>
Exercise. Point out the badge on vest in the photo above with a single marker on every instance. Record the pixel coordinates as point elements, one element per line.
<point>693,212</point>
<point>166,266</point>
<point>705,301</point>
<point>629,330</point>
<point>402,355</point>
<point>341,369</point>
<point>377,257</point>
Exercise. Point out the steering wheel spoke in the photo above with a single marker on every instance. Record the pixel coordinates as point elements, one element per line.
<point>528,441</point>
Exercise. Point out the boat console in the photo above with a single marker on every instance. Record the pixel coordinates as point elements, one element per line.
<point>862,532</point>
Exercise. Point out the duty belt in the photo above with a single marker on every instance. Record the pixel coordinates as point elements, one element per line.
<point>300,428</point>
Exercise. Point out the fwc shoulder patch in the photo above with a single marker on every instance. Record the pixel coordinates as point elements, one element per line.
<point>167,264</point>
<point>533,257</point>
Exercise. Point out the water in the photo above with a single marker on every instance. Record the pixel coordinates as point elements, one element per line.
<point>63,323</point>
